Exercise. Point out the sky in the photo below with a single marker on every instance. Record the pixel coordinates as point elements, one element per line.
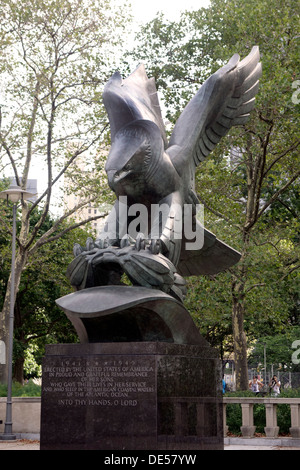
<point>144,11</point>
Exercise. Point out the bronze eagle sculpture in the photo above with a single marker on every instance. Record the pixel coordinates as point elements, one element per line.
<point>144,169</point>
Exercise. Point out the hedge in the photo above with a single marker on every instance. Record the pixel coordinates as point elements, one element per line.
<point>234,413</point>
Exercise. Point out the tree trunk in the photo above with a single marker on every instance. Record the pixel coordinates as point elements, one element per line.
<point>239,336</point>
<point>19,369</point>
<point>4,316</point>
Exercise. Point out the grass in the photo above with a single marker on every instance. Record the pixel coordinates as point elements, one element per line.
<point>30,389</point>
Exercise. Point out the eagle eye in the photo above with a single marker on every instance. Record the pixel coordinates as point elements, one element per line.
<point>127,167</point>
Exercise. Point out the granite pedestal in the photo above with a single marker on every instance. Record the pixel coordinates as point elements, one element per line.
<point>133,396</point>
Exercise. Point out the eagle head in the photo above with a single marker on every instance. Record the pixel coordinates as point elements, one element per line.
<point>133,158</point>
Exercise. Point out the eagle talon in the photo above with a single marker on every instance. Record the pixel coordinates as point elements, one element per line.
<point>140,243</point>
<point>155,246</point>
<point>89,245</point>
<point>126,241</point>
<point>77,250</point>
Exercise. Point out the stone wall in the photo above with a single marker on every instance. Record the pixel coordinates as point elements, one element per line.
<point>26,415</point>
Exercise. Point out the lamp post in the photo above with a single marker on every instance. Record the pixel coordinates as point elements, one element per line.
<point>265,361</point>
<point>14,193</point>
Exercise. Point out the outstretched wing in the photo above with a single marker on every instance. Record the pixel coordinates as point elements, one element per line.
<point>131,99</point>
<point>214,257</point>
<point>223,101</point>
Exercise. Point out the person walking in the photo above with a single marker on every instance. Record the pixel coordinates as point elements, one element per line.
<point>255,385</point>
<point>275,385</point>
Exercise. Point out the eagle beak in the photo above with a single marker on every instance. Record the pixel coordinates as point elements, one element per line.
<point>111,178</point>
<point>117,176</point>
<point>121,175</point>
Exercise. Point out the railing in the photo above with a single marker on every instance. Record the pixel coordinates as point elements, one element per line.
<point>26,415</point>
<point>201,416</point>
<point>271,429</point>
<point>207,420</point>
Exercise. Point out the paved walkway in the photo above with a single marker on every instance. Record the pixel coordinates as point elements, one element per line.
<point>24,444</point>
<point>20,444</point>
<point>243,447</point>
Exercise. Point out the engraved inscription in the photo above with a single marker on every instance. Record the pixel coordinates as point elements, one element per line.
<point>105,382</point>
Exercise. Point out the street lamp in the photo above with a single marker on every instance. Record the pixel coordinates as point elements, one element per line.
<point>265,361</point>
<point>14,194</point>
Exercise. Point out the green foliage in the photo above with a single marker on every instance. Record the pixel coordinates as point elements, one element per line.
<point>278,349</point>
<point>250,185</point>
<point>234,413</point>
<point>208,301</point>
<point>29,389</point>
<point>38,320</point>
<point>55,57</point>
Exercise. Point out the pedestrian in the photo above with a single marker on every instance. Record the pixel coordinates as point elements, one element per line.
<point>275,386</point>
<point>255,385</point>
<point>223,385</point>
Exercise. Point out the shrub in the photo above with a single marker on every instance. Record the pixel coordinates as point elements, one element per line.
<point>30,389</point>
<point>234,412</point>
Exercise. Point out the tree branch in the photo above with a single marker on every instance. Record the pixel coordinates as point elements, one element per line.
<point>260,284</point>
<point>292,147</point>
<point>49,187</point>
<point>30,136</point>
<point>69,162</point>
<point>277,193</point>
<point>43,240</point>
<point>290,272</point>
<point>259,176</point>
<point>217,213</point>
<point>13,164</point>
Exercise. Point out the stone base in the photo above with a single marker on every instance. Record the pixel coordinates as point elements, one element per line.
<point>248,431</point>
<point>271,431</point>
<point>131,396</point>
<point>8,437</point>
<point>295,432</point>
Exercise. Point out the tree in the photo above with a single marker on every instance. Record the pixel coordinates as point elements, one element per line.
<point>37,318</point>
<point>208,301</point>
<point>55,57</point>
<point>260,171</point>
<point>279,351</point>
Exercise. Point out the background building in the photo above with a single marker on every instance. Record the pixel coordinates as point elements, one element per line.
<point>72,199</point>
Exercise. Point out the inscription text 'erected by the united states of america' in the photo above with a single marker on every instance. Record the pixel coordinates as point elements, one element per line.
<point>99,382</point>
